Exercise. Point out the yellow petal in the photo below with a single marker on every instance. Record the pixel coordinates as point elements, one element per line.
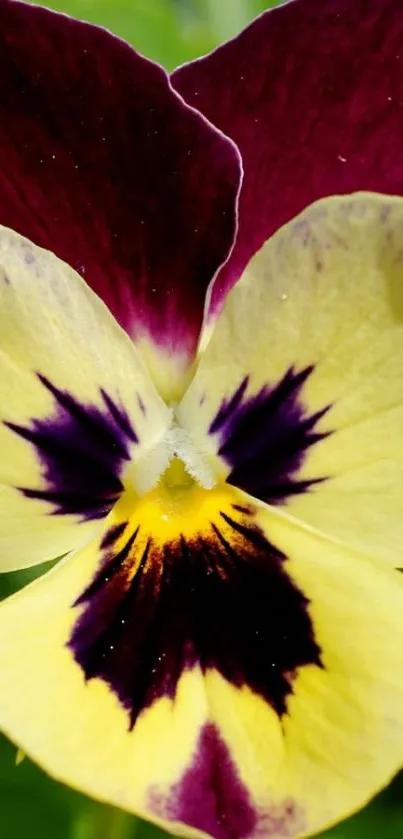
<point>212,666</point>
<point>298,398</point>
<point>76,406</point>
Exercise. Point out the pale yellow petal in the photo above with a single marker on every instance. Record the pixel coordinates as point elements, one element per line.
<point>154,706</point>
<point>310,345</point>
<point>78,412</point>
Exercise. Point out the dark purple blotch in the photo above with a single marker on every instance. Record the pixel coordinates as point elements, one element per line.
<point>82,449</point>
<point>221,601</point>
<point>264,438</point>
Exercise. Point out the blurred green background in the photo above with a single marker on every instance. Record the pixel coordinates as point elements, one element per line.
<point>31,805</point>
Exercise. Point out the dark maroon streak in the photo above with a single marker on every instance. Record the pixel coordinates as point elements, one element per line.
<point>212,798</point>
<point>264,438</point>
<point>82,449</point>
<point>219,601</point>
<point>103,164</point>
<point>113,534</point>
<point>313,114</point>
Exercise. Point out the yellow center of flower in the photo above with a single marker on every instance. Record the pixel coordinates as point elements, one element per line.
<point>177,506</point>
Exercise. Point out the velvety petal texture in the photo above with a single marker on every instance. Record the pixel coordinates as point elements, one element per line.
<point>79,415</point>
<point>212,666</point>
<point>312,93</point>
<point>298,396</point>
<point>103,164</point>
<point>221,651</point>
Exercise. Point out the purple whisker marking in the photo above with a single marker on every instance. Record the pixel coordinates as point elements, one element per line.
<point>113,534</point>
<point>240,508</point>
<point>82,449</point>
<point>229,408</point>
<point>222,600</point>
<point>141,405</point>
<point>264,438</point>
<point>112,567</point>
<point>120,416</point>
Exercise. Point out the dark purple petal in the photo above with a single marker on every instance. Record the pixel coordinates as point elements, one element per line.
<point>103,164</point>
<point>312,93</point>
<point>221,600</point>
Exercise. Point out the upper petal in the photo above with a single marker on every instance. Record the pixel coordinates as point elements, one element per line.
<point>298,397</point>
<point>312,94</point>
<point>79,415</point>
<point>103,164</point>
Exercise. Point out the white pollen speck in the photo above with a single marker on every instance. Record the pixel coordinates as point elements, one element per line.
<point>164,517</point>
<point>342,159</point>
<point>389,98</point>
<point>284,296</point>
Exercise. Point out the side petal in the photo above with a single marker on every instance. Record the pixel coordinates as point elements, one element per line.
<point>222,670</point>
<point>313,116</point>
<point>79,416</point>
<point>116,175</point>
<point>298,399</point>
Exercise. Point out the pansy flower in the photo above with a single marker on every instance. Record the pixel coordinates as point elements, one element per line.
<point>201,378</point>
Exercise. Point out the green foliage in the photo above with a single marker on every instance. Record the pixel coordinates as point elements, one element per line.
<point>169,31</point>
<point>31,804</point>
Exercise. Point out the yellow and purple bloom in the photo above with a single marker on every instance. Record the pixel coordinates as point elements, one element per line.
<point>201,378</point>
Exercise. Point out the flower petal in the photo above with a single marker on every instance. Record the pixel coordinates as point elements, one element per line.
<point>298,398</point>
<point>116,175</point>
<point>313,115</point>
<point>77,406</point>
<point>223,669</point>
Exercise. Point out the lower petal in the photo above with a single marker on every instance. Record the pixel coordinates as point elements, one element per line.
<point>211,666</point>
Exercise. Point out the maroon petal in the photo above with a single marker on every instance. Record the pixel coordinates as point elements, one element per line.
<point>103,164</point>
<point>312,93</point>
